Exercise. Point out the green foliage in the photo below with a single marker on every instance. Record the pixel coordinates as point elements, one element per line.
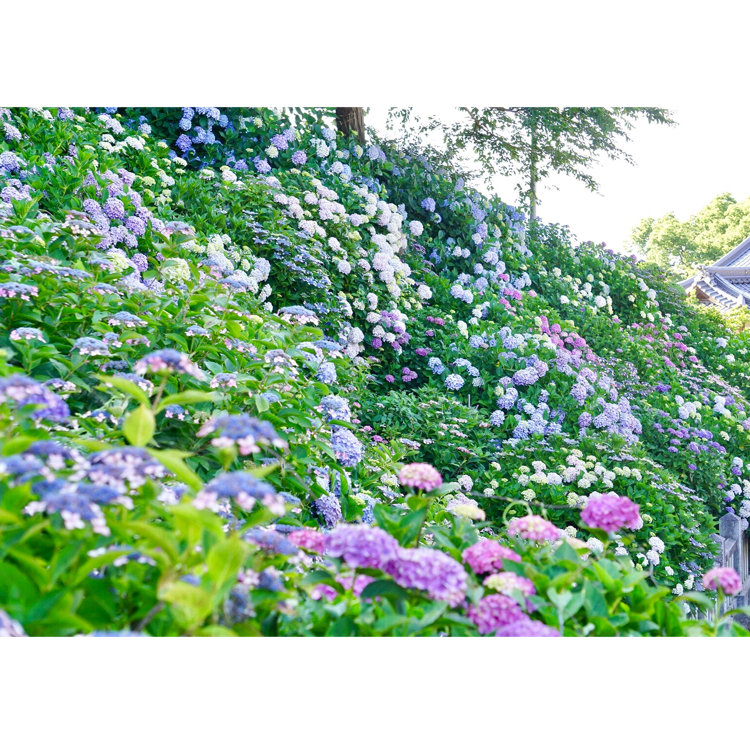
<point>702,239</point>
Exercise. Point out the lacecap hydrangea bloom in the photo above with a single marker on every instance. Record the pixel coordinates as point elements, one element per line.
<point>243,488</point>
<point>247,433</point>
<point>610,512</point>
<point>167,360</point>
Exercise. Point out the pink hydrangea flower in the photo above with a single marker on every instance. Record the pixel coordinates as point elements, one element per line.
<point>493,612</point>
<point>309,539</point>
<point>486,556</point>
<point>725,580</point>
<point>420,477</point>
<point>534,528</point>
<point>610,512</point>
<point>322,590</point>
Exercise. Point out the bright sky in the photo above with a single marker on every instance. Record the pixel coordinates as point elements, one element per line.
<point>678,169</point>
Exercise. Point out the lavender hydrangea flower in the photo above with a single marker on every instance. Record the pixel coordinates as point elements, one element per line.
<point>454,382</point>
<point>326,373</point>
<point>10,628</point>
<point>126,319</point>
<point>361,546</point>
<point>328,507</point>
<point>77,503</point>
<point>336,407</point>
<point>184,142</point>
<point>534,528</point>
<point>114,209</point>
<point>346,447</point>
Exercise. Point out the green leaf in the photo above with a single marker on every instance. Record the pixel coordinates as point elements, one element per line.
<point>262,403</point>
<point>224,561</point>
<point>92,563</point>
<point>434,612</point>
<point>317,576</point>
<point>561,599</point>
<point>384,624</point>
<point>384,588</point>
<point>190,604</point>
<point>216,631</point>
<point>172,459</point>
<point>594,602</point>
<point>139,426</point>
<point>697,598</point>
<point>127,387</point>
<point>187,397</point>
<point>17,444</point>
<point>150,531</point>
<point>343,627</point>
<point>264,471</point>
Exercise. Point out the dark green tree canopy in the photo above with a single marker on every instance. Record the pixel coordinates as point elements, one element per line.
<point>700,240</point>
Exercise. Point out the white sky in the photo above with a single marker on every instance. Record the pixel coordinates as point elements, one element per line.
<point>679,168</point>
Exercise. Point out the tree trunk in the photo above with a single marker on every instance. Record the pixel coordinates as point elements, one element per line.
<point>532,177</point>
<point>351,120</point>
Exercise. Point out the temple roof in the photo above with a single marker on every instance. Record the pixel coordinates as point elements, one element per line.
<point>726,283</point>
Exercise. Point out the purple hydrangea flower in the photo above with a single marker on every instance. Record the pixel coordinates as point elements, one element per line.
<point>431,571</point>
<point>328,508</point>
<point>114,209</point>
<point>361,546</point>
<point>527,628</point>
<point>494,612</point>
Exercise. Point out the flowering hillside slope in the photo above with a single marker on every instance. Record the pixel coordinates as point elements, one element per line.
<point>256,379</point>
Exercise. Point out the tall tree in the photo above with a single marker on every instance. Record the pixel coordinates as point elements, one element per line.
<point>537,142</point>
<point>351,120</point>
<point>700,240</point>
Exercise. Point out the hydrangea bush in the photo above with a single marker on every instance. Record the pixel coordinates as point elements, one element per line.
<point>259,380</point>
